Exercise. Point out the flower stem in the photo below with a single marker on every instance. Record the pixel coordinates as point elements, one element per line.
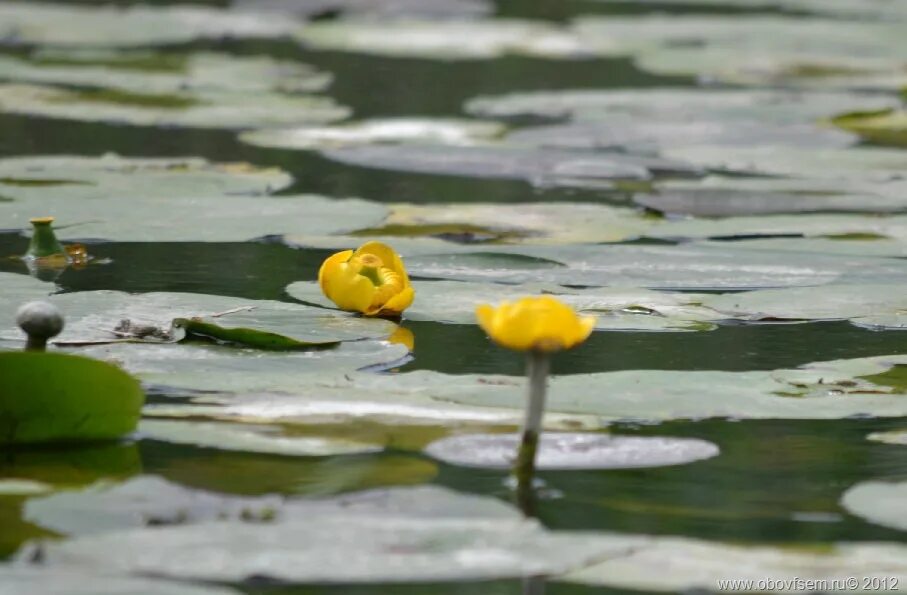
<point>537,371</point>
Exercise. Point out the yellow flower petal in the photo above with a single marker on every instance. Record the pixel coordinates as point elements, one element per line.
<point>535,323</point>
<point>370,280</point>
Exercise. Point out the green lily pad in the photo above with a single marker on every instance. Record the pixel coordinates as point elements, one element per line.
<point>684,267</point>
<point>23,487</point>
<point>380,9</point>
<point>553,223</point>
<point>675,106</point>
<point>540,167</point>
<point>870,9</point>
<point>892,437</point>
<point>878,502</point>
<point>824,53</point>
<point>686,564</point>
<point>93,317</point>
<point>825,390</point>
<point>68,25</point>
<point>198,109</point>
<point>52,397</point>
<point>856,168</point>
<point>886,127</point>
<point>616,308</point>
<point>37,581</point>
<point>149,73</point>
<point>727,196</point>
<point>447,131</point>
<point>858,227</point>
<point>832,302</point>
<point>250,438</point>
<point>380,544</point>
<point>322,399</point>
<point>562,451</point>
<point>142,501</point>
<point>442,40</point>
<point>85,195</point>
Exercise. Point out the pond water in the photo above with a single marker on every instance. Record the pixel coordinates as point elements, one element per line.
<point>776,482</point>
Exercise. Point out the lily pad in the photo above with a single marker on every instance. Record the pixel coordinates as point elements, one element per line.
<point>326,548</point>
<point>684,267</point>
<point>249,438</point>
<point>17,290</point>
<point>199,109</point>
<point>446,131</point>
<point>869,9</point>
<point>540,167</point>
<point>676,106</point>
<point>878,502</point>
<point>373,9</point>
<point>23,487</point>
<point>442,40</point>
<point>562,451</point>
<point>52,397</point>
<point>142,501</point>
<point>534,223</point>
<point>815,52</point>
<point>347,400</point>
<point>866,227</point>
<point>15,580</point>
<point>68,25</point>
<point>93,316</point>
<point>825,390</point>
<point>692,565</point>
<point>832,302</point>
<point>616,308</point>
<point>886,127</point>
<point>723,196</point>
<point>86,196</point>
<point>149,73</point>
<point>891,437</point>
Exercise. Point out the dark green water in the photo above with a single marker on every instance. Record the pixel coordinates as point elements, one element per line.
<point>775,481</point>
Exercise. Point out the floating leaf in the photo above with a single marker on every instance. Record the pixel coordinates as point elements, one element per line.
<point>322,399</point>
<point>535,223</point>
<point>441,40</point>
<point>248,337</point>
<point>726,196</point>
<point>844,226</point>
<point>250,438</point>
<point>892,437</point>
<point>199,109</point>
<point>886,127</point>
<point>832,302</point>
<point>46,24</point>
<point>616,308</point>
<point>150,73</point>
<point>140,502</point>
<point>560,451</point>
<point>22,487</point>
<point>383,9</point>
<point>47,397</point>
<point>685,564</point>
<point>540,167</point>
<point>40,581</point>
<point>684,267</point>
<point>370,547</point>
<point>825,53</point>
<point>446,131</point>
<point>869,9</point>
<point>85,195</point>
<point>711,108</point>
<point>882,503</point>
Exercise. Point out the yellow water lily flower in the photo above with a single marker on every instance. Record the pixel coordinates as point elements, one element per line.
<point>370,280</point>
<point>542,324</point>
